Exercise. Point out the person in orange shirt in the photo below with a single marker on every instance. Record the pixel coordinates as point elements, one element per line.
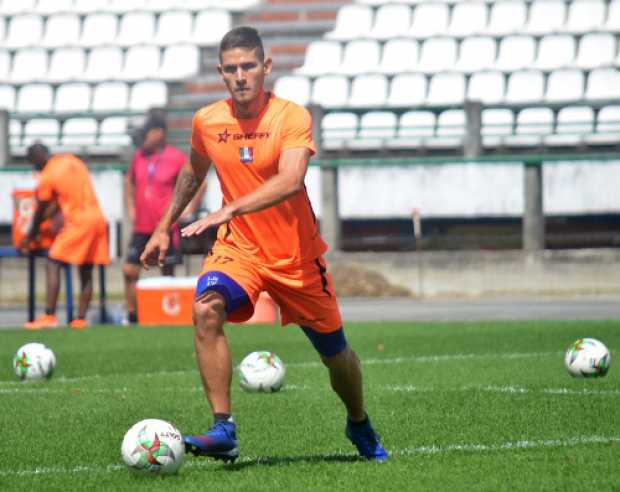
<point>268,240</point>
<point>83,239</point>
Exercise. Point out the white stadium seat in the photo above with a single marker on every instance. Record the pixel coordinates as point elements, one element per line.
<point>15,133</point>
<point>66,64</point>
<point>13,7</point>
<point>210,26</point>
<point>515,53</point>
<point>585,16</point>
<point>45,130</point>
<point>596,50</point>
<point>450,130</point>
<point>330,90</point>
<point>607,129</point>
<point>496,125</point>
<point>407,89</point>
<point>507,17</point>
<point>337,129</point>
<point>110,96</point>
<point>603,83</point>
<point>368,90</point>
<point>437,55</point>
<point>104,63</point>
<point>125,6</point>
<point>612,23</point>
<point>113,131</point>
<point>180,62</point>
<point>399,55</point>
<point>468,19</point>
<point>322,56</point>
<point>446,88</point>
<point>174,28</point>
<point>352,21</point>
<point>525,86</point>
<point>391,21</point>
<point>532,125</point>
<point>61,30</point>
<point>414,129</point>
<point>2,28</point>
<point>546,17</point>
<point>24,31</point>
<point>429,19</point>
<point>141,62</point>
<point>5,65</point>
<point>573,124</point>
<point>376,127</point>
<point>50,7</point>
<point>555,51</point>
<point>88,6</point>
<point>476,53</point>
<point>99,29</point>
<point>295,88</point>
<point>29,65</point>
<point>360,56</point>
<point>79,131</point>
<point>136,28</point>
<point>148,94</point>
<point>486,87</point>
<point>164,5</point>
<point>565,85</point>
<point>72,97</point>
<point>7,97</point>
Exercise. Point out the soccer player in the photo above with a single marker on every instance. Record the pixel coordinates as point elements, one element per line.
<point>267,239</point>
<point>83,239</point>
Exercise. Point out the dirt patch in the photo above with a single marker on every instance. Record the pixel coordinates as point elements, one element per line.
<point>353,280</point>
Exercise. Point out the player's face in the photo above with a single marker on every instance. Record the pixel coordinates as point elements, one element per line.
<point>244,74</point>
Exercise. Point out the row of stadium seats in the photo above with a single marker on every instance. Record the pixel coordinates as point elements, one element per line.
<point>472,54</point>
<point>531,127</point>
<point>49,7</point>
<point>498,18</point>
<point>105,97</point>
<point>99,64</point>
<point>30,30</point>
<point>413,89</point>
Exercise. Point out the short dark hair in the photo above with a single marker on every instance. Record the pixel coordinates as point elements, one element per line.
<point>37,148</point>
<point>155,121</point>
<point>243,37</point>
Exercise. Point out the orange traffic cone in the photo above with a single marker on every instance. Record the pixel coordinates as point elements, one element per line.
<point>265,310</point>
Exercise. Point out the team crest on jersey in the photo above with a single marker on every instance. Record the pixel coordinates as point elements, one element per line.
<point>246,155</point>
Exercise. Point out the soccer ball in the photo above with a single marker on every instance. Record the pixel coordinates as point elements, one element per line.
<point>153,446</point>
<point>587,358</point>
<point>34,361</point>
<point>262,371</point>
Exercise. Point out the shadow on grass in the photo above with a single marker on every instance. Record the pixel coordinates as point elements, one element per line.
<point>287,460</point>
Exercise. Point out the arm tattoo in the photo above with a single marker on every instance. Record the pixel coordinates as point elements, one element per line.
<point>186,187</point>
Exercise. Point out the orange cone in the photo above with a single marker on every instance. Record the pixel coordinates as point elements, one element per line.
<point>265,310</point>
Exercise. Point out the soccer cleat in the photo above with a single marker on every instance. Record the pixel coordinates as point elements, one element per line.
<point>220,442</point>
<point>42,322</point>
<point>78,324</point>
<point>366,441</point>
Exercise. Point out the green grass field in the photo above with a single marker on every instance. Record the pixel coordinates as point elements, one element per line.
<point>484,406</point>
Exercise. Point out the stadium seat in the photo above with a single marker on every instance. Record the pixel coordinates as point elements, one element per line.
<point>565,85</point>
<point>437,55</point>
<point>51,7</point>
<point>573,124</point>
<point>104,63</point>
<point>148,94</point>
<point>376,127</point>
<point>61,30</point>
<point>2,28</point>
<point>525,86</point>
<point>596,50</point>
<point>555,51</point>
<point>391,21</point>
<point>585,16</point>
<point>515,53</point>
<point>164,5</point>
<point>173,28</point>
<point>337,129</point>
<point>14,7</point>
<point>29,65</point>
<point>88,6</point>
<point>141,62</point>
<point>198,5</point>
<point>24,31</point>
<point>407,89</point>
<point>486,87</point>
<point>45,130</point>
<point>330,90</point>
<point>210,26</point>
<point>476,53</point>
<point>612,23</point>
<point>66,64</point>
<point>113,131</point>
<point>468,19</point>
<point>532,125</point>
<point>607,131</point>
<point>399,55</point>
<point>450,130</point>
<point>322,57</point>
<point>546,17</point>
<point>235,5</point>
<point>110,96</point>
<point>99,29</point>
<point>496,124</point>
<point>360,56</point>
<point>507,17</point>
<point>603,83</point>
<point>5,65</point>
<point>15,134</point>
<point>7,97</point>
<point>126,6</point>
<point>368,90</point>
<point>414,129</point>
<point>136,28</point>
<point>295,88</point>
<point>429,19</point>
<point>72,97</point>
<point>79,131</point>
<point>446,88</point>
<point>179,62</point>
<point>352,21</point>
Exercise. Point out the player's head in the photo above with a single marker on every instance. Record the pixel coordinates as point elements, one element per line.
<point>38,155</point>
<point>243,65</point>
<point>154,132</point>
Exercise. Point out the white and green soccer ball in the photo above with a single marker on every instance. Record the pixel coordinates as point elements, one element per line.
<point>153,446</point>
<point>262,371</point>
<point>587,358</point>
<point>34,361</point>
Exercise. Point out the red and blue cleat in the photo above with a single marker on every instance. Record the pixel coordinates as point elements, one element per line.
<point>219,442</point>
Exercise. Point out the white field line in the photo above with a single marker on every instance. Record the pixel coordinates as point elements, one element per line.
<point>374,361</point>
<point>433,449</point>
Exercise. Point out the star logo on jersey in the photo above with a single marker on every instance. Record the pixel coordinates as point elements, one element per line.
<point>223,137</point>
<point>246,155</point>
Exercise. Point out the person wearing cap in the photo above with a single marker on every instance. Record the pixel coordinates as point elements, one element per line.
<point>149,184</point>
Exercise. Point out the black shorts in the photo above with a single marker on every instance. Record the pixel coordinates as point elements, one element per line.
<point>138,242</point>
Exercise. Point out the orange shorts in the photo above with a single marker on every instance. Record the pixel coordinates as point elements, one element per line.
<point>83,242</point>
<point>304,293</point>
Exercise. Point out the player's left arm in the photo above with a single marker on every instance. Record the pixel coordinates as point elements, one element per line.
<point>41,213</point>
<point>288,181</point>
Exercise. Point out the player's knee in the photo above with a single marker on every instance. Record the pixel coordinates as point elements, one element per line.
<point>131,272</point>
<point>342,359</point>
<point>328,345</point>
<point>209,312</point>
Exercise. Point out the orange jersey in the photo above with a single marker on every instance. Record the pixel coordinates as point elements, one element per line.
<point>245,153</point>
